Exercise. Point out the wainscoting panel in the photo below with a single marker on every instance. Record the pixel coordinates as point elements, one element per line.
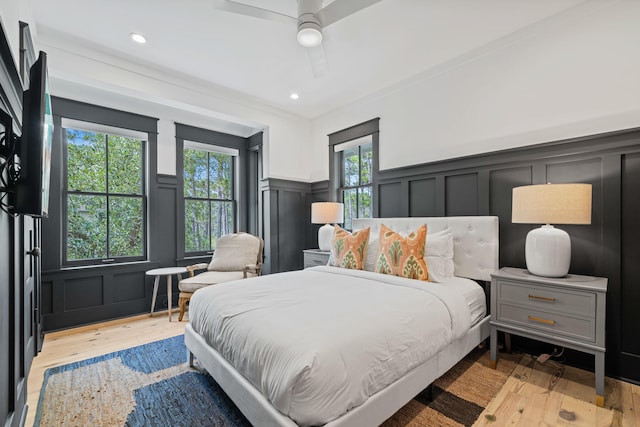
<point>129,286</point>
<point>319,193</point>
<point>166,219</point>
<point>482,185</point>
<point>83,293</point>
<point>77,297</point>
<point>501,184</point>
<point>286,223</point>
<point>461,194</point>
<point>391,200</point>
<point>422,197</point>
<point>586,241</point>
<point>291,215</point>
<point>46,297</point>
<point>630,265</point>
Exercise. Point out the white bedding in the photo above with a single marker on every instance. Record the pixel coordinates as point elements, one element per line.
<point>320,341</point>
<point>473,294</point>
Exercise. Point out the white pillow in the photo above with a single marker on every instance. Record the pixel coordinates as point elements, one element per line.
<point>372,252</point>
<point>439,255</point>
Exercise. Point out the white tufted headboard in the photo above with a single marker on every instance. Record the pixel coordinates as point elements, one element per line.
<point>475,239</point>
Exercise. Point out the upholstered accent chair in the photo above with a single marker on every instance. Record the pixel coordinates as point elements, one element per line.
<point>237,256</point>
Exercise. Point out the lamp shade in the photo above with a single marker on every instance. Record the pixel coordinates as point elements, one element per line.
<point>552,204</point>
<point>548,249</point>
<point>327,212</point>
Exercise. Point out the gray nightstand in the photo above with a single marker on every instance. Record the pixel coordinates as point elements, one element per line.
<point>567,311</point>
<point>313,257</point>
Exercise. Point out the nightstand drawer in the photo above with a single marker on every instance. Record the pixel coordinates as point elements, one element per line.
<point>314,258</point>
<point>547,298</point>
<point>559,324</point>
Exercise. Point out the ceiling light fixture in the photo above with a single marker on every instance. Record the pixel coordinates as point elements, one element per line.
<point>294,96</point>
<point>138,38</point>
<point>309,34</point>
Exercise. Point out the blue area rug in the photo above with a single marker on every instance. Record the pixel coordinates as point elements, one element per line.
<point>152,385</point>
<point>148,385</point>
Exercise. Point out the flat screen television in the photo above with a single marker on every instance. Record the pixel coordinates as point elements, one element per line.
<point>31,191</point>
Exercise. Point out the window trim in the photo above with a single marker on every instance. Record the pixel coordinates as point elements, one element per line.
<point>65,198</point>
<point>219,139</point>
<point>342,187</point>
<point>361,130</point>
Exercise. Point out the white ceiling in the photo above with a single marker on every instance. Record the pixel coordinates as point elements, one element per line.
<point>368,51</point>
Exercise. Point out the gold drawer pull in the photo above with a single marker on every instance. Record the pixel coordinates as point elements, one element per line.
<point>542,298</point>
<point>541,320</point>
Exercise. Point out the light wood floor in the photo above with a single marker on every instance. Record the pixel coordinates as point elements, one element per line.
<point>534,395</point>
<point>77,344</point>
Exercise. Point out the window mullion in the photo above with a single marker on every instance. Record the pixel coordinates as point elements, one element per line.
<point>209,200</point>
<point>107,193</point>
<point>359,165</point>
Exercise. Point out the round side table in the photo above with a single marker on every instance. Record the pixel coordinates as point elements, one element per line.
<point>159,272</point>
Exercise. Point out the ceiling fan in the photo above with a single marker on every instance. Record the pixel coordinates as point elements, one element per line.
<point>311,19</point>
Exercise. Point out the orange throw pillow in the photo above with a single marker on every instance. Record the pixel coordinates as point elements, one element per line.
<point>349,250</point>
<point>402,256</point>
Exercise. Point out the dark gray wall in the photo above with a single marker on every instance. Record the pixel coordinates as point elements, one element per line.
<point>77,296</point>
<point>18,322</point>
<point>482,184</point>
<point>286,210</point>
<point>73,297</point>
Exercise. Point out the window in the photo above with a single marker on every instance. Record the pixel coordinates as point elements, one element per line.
<point>104,194</point>
<point>209,195</point>
<point>356,179</point>
<point>353,169</point>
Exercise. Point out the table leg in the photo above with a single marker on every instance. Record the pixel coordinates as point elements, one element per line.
<point>493,343</point>
<point>169,298</point>
<point>599,379</point>
<point>156,281</point>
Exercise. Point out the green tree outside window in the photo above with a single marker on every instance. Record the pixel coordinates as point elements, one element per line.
<point>357,179</point>
<point>209,199</point>
<point>105,197</point>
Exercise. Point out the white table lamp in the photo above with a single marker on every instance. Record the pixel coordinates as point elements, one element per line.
<point>326,213</point>
<point>548,249</point>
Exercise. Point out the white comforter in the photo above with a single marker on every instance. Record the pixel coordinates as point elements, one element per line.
<point>320,341</point>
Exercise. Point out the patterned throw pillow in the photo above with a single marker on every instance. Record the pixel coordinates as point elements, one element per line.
<point>349,250</point>
<point>402,256</point>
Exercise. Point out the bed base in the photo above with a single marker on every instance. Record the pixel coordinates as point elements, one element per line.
<point>372,412</point>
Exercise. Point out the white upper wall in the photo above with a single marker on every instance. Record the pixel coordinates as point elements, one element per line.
<point>574,75</point>
<point>100,79</point>
<point>11,13</point>
<point>108,81</point>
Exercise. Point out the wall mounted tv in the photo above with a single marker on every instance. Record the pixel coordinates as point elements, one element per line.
<point>31,191</point>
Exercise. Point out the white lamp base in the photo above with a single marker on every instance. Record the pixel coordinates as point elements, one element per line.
<point>548,251</point>
<point>325,237</point>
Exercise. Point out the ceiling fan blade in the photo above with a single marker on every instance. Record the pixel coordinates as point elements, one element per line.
<point>341,8</point>
<point>257,12</point>
<point>318,60</point>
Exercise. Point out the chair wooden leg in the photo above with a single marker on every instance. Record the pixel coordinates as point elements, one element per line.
<point>182,302</point>
<point>183,298</point>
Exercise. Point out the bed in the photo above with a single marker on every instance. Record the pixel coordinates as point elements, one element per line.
<point>329,346</point>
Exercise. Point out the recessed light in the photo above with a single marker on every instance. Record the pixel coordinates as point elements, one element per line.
<point>138,38</point>
<point>294,96</point>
